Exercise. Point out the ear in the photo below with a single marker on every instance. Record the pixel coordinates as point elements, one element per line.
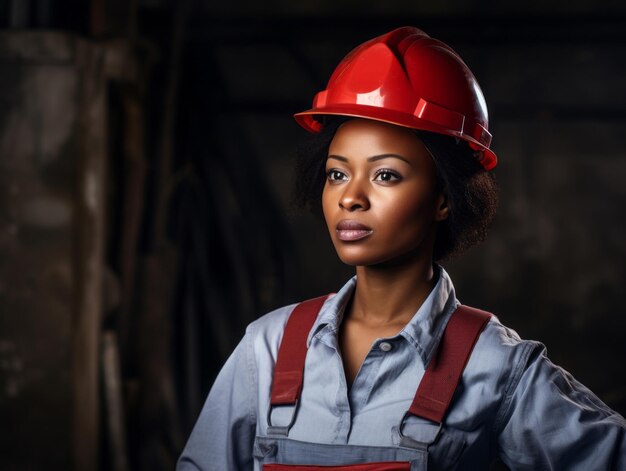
<point>442,210</point>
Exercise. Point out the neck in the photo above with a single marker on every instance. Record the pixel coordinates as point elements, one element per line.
<point>391,294</point>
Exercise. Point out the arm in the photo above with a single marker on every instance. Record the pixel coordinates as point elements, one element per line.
<point>223,436</point>
<point>551,421</point>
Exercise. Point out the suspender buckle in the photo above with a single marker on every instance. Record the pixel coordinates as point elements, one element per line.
<point>281,429</point>
<point>409,442</point>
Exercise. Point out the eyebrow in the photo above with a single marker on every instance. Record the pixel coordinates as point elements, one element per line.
<point>373,158</point>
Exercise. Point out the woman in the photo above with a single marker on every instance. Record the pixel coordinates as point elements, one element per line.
<point>391,373</point>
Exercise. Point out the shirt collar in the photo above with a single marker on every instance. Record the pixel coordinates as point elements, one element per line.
<point>423,331</point>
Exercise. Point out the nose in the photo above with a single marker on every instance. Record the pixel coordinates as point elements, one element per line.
<point>354,197</point>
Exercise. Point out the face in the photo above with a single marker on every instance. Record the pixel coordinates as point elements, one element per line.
<point>380,200</point>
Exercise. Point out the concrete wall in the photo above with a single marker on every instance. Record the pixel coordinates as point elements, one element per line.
<point>52,147</point>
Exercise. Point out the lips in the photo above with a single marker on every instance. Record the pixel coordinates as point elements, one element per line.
<point>350,230</point>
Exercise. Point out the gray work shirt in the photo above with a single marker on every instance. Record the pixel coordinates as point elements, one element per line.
<point>512,401</point>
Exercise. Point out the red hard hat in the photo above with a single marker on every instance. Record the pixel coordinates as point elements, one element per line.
<point>407,78</point>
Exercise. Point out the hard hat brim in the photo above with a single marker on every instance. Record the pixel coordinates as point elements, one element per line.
<point>306,119</point>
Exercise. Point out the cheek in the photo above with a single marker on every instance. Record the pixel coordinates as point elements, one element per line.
<point>327,203</point>
<point>411,214</point>
<point>325,198</point>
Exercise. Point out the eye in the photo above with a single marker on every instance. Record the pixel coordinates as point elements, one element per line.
<point>335,175</point>
<point>386,175</point>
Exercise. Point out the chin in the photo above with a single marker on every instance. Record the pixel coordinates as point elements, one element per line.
<point>353,262</point>
<point>371,260</point>
<point>357,257</point>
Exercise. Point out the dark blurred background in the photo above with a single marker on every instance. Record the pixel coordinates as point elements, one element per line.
<point>146,165</point>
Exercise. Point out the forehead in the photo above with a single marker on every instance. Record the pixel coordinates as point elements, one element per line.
<point>363,137</point>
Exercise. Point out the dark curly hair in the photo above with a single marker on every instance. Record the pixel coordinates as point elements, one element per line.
<point>471,192</point>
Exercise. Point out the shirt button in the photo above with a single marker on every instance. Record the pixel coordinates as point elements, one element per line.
<point>385,346</point>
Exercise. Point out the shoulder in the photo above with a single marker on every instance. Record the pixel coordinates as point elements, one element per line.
<point>501,353</point>
<point>500,348</point>
<point>503,343</point>
<point>497,364</point>
<point>262,342</point>
<point>268,329</point>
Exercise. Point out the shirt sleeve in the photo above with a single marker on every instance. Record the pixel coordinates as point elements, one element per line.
<point>223,437</point>
<point>551,421</point>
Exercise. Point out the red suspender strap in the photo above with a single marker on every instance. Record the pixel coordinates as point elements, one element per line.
<point>289,369</point>
<point>440,380</point>
<point>444,371</point>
